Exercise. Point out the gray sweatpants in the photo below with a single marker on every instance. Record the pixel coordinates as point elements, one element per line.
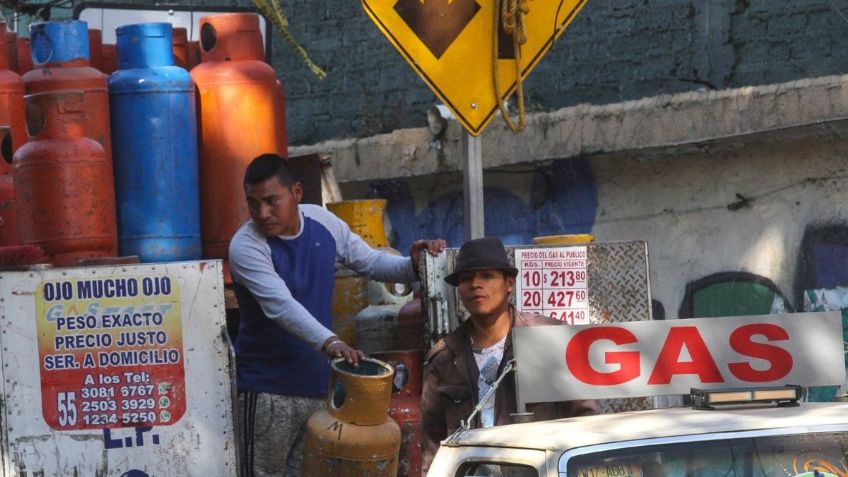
<point>273,428</point>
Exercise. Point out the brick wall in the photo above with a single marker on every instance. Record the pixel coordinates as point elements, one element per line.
<point>615,50</point>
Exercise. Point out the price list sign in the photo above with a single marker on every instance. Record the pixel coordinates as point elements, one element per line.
<point>553,282</point>
<point>110,352</point>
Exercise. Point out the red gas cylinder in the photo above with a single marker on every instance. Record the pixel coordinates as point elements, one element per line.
<point>6,148</point>
<point>409,333</point>
<point>95,49</point>
<point>60,61</point>
<point>11,101</point>
<point>405,407</point>
<point>24,56</point>
<point>12,49</point>
<point>193,48</point>
<point>179,42</point>
<point>240,119</point>
<point>13,137</point>
<point>63,182</point>
<point>108,58</point>
<point>8,211</point>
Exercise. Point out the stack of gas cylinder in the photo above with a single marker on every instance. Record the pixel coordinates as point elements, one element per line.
<point>119,150</point>
<point>386,322</point>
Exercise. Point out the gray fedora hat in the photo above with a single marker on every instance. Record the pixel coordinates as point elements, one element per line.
<point>486,253</point>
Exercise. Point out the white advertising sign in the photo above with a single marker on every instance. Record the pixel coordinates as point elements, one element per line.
<point>553,282</point>
<point>649,358</point>
<point>116,371</point>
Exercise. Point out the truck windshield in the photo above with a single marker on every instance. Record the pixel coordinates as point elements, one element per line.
<point>804,455</point>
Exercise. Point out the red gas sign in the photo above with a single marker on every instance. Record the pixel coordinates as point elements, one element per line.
<point>670,357</point>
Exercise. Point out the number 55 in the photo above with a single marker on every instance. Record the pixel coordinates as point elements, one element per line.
<point>67,408</point>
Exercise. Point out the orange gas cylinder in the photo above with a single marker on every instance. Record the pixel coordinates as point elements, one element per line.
<point>405,408</point>
<point>8,211</point>
<point>95,49</point>
<point>24,56</point>
<point>60,62</point>
<point>179,42</point>
<point>109,58</point>
<point>354,436</point>
<point>63,182</point>
<point>240,120</point>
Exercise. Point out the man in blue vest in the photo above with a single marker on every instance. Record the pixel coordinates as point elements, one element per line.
<point>283,267</point>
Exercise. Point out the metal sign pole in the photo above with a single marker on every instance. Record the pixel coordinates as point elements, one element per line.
<point>473,187</point>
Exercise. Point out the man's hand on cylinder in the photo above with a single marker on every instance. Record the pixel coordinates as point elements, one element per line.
<point>334,348</point>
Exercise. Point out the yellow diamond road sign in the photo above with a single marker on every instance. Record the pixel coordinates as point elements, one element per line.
<point>450,45</point>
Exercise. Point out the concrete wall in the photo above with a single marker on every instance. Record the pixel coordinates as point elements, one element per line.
<point>746,217</point>
<point>742,210</point>
<point>750,227</point>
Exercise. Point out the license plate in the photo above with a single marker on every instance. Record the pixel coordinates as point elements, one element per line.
<point>620,469</point>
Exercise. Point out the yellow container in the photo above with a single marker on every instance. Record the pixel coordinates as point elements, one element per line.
<point>354,435</point>
<point>365,218</point>
<point>350,296</point>
<point>573,239</point>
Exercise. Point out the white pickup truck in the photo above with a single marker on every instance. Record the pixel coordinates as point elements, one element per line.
<point>752,440</point>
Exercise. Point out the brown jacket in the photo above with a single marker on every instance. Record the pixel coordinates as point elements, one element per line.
<point>450,388</point>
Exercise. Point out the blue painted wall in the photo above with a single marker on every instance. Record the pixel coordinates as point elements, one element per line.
<point>563,199</point>
<point>784,250</point>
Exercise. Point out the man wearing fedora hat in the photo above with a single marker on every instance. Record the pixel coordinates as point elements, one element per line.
<point>461,368</point>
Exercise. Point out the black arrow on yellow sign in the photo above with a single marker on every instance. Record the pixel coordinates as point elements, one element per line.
<point>437,23</point>
<point>450,43</point>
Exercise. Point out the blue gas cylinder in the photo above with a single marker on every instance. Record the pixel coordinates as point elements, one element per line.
<point>154,135</point>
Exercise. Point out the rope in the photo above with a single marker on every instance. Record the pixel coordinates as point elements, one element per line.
<point>272,10</point>
<point>511,18</point>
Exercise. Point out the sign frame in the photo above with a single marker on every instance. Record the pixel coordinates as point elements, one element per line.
<point>553,281</point>
<point>201,442</point>
<point>737,346</point>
